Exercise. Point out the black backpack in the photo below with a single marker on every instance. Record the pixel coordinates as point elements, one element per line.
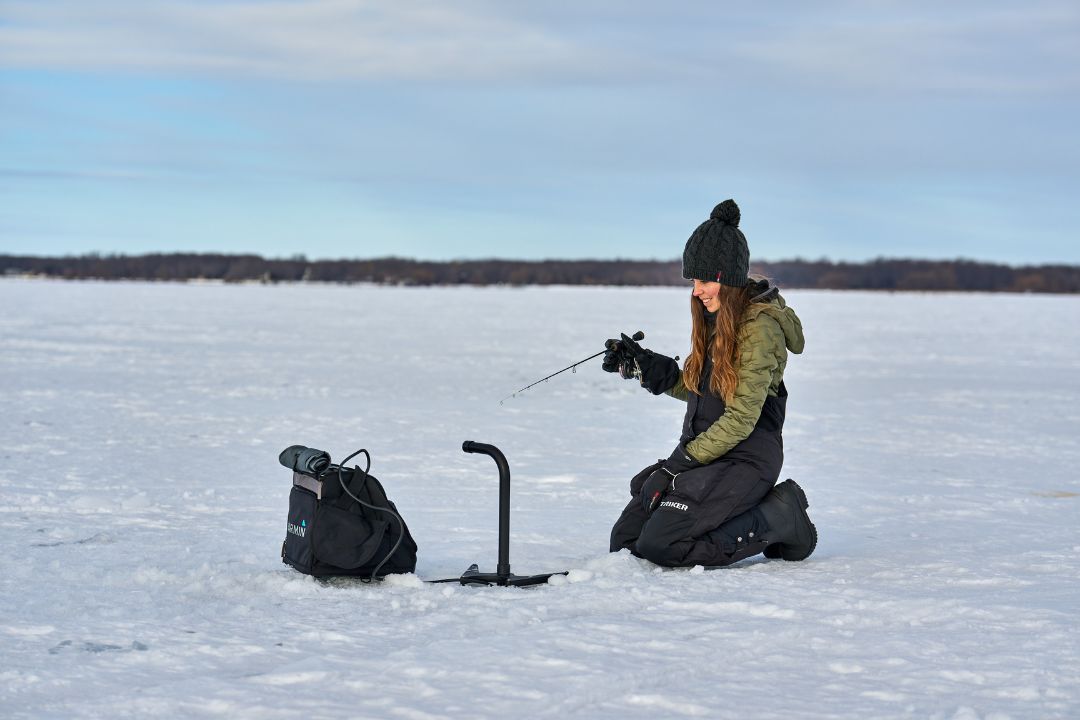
<point>340,520</point>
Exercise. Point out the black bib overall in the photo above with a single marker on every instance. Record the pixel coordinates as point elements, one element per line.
<point>676,533</point>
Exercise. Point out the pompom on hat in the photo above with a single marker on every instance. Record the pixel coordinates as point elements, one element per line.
<point>717,250</point>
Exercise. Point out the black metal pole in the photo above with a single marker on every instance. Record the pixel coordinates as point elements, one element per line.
<point>502,570</point>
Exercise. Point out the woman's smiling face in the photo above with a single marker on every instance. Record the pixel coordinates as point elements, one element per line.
<point>707,293</point>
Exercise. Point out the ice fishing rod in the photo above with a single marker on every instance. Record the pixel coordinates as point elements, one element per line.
<point>609,345</point>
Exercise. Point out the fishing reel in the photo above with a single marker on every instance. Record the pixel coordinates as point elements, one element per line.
<point>621,358</point>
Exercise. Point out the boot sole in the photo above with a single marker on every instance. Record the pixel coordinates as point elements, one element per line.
<point>779,550</point>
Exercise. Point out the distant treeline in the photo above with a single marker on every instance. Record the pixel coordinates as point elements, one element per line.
<point>881,274</point>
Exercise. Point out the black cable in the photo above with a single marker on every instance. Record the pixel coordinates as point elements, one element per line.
<point>345,487</point>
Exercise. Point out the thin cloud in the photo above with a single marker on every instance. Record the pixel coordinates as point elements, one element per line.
<point>320,40</point>
<point>951,49</point>
<point>32,174</point>
<point>842,45</point>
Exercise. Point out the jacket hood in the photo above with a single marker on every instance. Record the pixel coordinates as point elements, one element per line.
<point>768,301</point>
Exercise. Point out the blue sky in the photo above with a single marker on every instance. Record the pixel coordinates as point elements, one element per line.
<point>349,128</point>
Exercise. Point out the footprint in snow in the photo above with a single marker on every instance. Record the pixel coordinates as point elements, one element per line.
<point>94,647</point>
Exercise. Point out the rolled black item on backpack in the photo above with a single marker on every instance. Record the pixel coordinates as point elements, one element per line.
<point>304,459</point>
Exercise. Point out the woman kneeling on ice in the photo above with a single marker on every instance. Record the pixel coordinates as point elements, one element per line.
<point>712,502</point>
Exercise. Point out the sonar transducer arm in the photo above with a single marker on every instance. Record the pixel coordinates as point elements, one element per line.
<point>502,575</point>
<point>471,446</point>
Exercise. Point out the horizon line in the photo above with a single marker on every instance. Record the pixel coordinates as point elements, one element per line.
<point>302,257</point>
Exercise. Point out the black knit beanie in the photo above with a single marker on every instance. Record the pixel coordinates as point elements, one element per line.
<point>717,250</point>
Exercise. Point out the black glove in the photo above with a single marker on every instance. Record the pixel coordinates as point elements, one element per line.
<point>662,480</point>
<point>681,460</point>
<point>656,372</point>
<point>618,358</point>
<point>655,488</point>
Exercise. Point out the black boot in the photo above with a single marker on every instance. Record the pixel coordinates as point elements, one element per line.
<point>790,533</point>
<point>740,537</point>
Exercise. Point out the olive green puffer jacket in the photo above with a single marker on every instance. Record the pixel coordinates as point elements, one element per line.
<point>766,333</point>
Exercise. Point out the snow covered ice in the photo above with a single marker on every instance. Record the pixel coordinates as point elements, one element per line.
<point>144,509</point>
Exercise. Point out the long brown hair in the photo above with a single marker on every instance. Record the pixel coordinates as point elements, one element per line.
<point>724,348</point>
